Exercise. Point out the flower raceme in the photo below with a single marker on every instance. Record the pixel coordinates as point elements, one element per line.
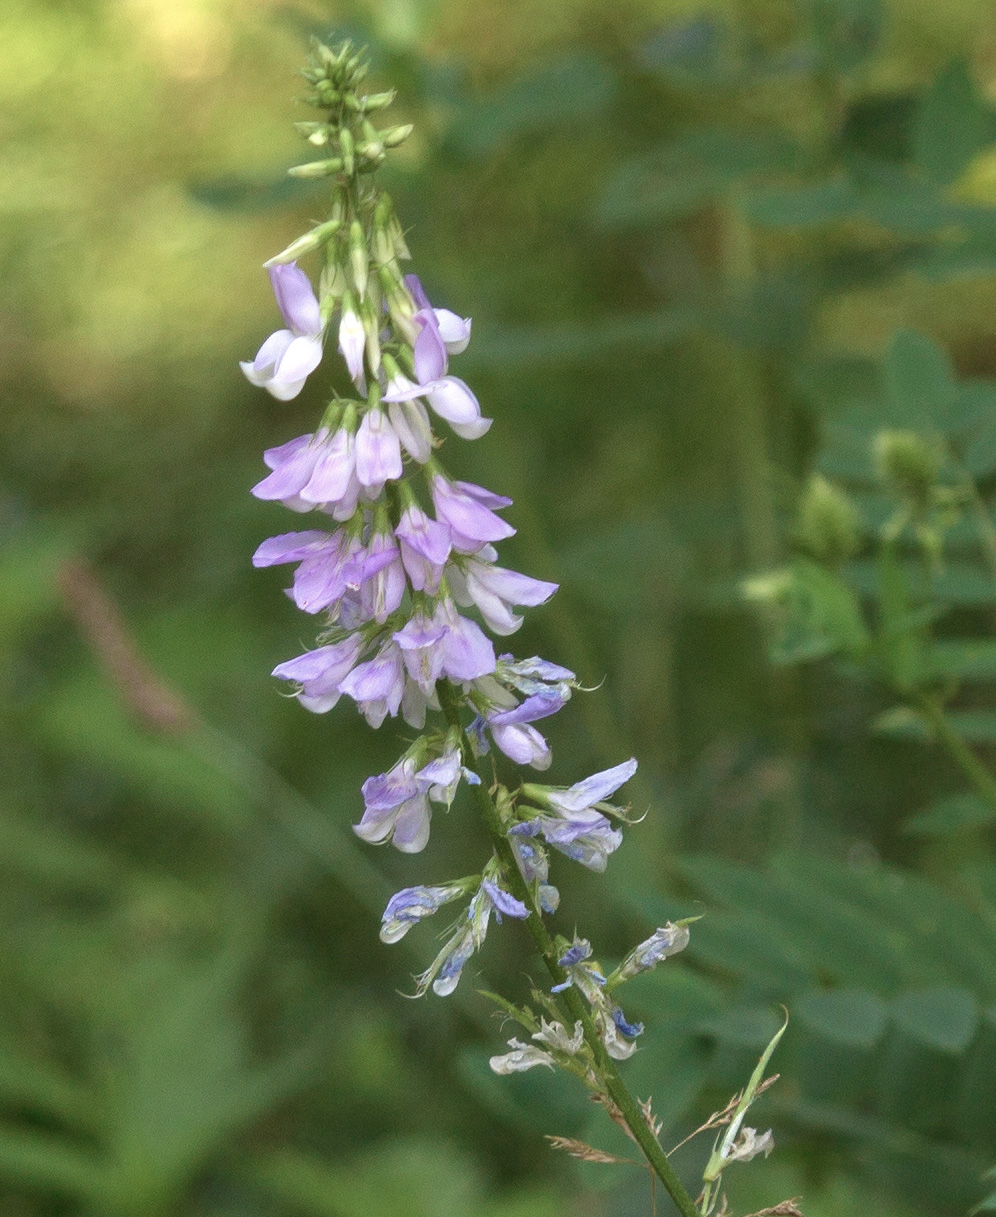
<point>402,572</point>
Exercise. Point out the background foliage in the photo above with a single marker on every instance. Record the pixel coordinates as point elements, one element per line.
<point>708,248</point>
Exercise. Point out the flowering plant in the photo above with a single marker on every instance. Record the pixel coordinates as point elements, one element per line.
<point>404,552</point>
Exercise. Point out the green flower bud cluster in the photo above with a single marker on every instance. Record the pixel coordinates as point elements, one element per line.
<point>362,239</point>
<point>911,464</point>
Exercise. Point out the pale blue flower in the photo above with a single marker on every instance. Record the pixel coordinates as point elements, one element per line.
<point>286,359</point>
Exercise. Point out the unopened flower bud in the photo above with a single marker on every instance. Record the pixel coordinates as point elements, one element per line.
<point>908,461</point>
<point>304,245</point>
<point>666,941</point>
<point>827,526</point>
<point>317,168</point>
<point>393,136</point>
<point>377,101</point>
<point>370,314</point>
<point>314,133</point>
<point>359,258</point>
<point>348,151</point>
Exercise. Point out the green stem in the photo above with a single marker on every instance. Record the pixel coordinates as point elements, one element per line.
<point>957,749</point>
<point>615,1087</point>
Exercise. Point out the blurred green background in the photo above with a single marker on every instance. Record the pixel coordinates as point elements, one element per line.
<point>689,234</point>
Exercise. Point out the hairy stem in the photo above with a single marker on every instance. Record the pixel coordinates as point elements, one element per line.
<point>615,1087</point>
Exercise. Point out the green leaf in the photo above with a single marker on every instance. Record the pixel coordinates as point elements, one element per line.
<point>951,126</point>
<point>919,382</point>
<point>573,88</point>
<point>942,1018</point>
<point>950,815</point>
<point>965,658</point>
<point>808,206</point>
<point>812,611</point>
<point>847,1016</point>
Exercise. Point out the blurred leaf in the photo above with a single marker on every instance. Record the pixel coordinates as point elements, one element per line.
<point>950,815</point>
<point>847,1016</point>
<point>951,126</point>
<point>965,658</point>
<point>572,88</point>
<point>919,381</point>
<point>419,1178</point>
<point>942,1018</point>
<point>806,206</point>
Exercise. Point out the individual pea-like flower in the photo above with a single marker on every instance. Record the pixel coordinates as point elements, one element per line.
<point>378,685</point>
<point>286,359</point>
<point>535,868</point>
<point>664,942</point>
<point>440,333</point>
<point>425,547</point>
<point>444,644</point>
<point>555,1035</point>
<point>469,511</point>
<point>572,824</point>
<point>585,975</point>
<point>494,590</point>
<point>748,1145</point>
<point>320,672</point>
<point>514,734</point>
<point>414,904</point>
<point>522,1057</point>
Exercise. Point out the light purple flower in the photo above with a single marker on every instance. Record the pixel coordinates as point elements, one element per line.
<point>454,330</point>
<point>494,590</point>
<point>468,510</point>
<point>378,685</point>
<point>665,941</point>
<point>412,427</point>
<point>319,672</point>
<point>313,470</point>
<point>286,359</point>
<point>396,810</point>
<point>352,341</point>
<point>425,546</point>
<point>588,793</point>
<point>523,744</point>
<point>444,644</point>
<point>382,591</point>
<point>449,396</point>
<point>504,902</point>
<point>584,836</point>
<point>378,452</point>
<point>413,904</point>
<point>442,776</point>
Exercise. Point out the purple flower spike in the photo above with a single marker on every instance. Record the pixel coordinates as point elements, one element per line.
<point>286,359</point>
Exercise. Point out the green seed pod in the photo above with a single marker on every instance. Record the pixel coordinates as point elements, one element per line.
<point>827,524</point>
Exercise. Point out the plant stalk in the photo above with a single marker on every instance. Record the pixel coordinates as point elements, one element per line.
<point>615,1087</point>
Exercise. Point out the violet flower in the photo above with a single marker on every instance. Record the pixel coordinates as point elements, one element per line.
<point>286,359</point>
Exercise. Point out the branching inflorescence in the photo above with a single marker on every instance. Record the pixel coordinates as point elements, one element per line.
<point>405,551</point>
